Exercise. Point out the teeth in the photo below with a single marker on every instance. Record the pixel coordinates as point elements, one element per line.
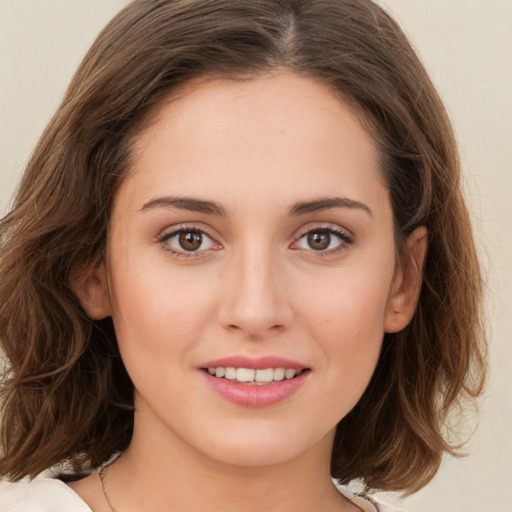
<point>229,373</point>
<point>264,375</point>
<point>249,375</point>
<point>245,375</point>
<point>279,373</point>
<point>289,374</point>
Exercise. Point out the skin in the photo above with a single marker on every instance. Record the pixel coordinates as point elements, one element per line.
<point>256,286</point>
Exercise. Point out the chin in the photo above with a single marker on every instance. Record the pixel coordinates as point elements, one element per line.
<point>260,447</point>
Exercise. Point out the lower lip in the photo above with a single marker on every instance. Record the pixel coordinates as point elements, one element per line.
<point>253,395</point>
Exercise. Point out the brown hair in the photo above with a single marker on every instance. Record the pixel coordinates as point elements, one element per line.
<point>65,393</point>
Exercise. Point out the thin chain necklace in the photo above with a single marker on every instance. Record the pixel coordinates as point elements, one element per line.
<point>104,487</point>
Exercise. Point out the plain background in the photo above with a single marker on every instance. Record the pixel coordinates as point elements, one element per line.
<point>467,47</point>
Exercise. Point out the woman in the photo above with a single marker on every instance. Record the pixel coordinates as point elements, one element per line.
<point>244,241</point>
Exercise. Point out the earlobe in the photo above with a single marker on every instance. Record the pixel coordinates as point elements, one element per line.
<point>91,288</point>
<point>407,282</point>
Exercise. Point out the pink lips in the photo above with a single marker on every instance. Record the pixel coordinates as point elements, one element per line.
<point>255,395</point>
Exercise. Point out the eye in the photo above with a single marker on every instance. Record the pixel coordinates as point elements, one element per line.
<point>324,240</point>
<point>187,241</point>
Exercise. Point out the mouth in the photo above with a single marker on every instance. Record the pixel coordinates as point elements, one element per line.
<point>255,382</point>
<point>253,376</point>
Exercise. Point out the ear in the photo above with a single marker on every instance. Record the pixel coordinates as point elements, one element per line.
<point>407,281</point>
<point>91,288</point>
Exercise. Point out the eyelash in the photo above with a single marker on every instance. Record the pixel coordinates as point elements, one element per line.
<point>166,237</point>
<point>345,241</point>
<point>344,238</point>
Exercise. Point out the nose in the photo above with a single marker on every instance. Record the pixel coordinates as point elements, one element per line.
<point>255,302</point>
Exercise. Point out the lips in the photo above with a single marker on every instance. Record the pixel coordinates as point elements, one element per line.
<point>256,382</point>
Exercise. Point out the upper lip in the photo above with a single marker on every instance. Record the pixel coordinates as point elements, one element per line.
<point>258,363</point>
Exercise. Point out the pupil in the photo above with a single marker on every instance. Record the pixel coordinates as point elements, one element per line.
<point>190,240</point>
<point>319,240</point>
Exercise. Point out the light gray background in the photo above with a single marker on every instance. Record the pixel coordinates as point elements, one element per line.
<point>466,45</point>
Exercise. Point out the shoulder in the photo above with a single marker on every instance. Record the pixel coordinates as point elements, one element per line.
<point>367,503</point>
<point>39,495</point>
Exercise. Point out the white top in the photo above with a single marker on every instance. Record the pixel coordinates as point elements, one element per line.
<point>40,495</point>
<point>51,495</point>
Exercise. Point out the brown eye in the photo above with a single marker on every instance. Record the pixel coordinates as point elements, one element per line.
<point>319,240</point>
<point>190,240</point>
<point>324,240</point>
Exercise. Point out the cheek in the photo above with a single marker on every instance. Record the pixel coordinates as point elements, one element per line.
<point>351,303</point>
<point>346,318</point>
<point>157,314</point>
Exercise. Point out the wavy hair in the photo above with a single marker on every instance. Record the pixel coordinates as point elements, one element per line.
<point>65,395</point>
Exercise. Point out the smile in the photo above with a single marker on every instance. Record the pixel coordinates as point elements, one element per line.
<point>253,376</point>
<point>253,393</point>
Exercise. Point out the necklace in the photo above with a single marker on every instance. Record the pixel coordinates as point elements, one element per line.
<point>101,474</point>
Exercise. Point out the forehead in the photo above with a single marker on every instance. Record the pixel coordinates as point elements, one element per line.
<point>283,135</point>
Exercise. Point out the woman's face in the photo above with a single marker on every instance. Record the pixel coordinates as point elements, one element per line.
<point>253,233</point>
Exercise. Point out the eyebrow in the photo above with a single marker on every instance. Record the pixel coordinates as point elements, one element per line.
<point>211,208</point>
<point>185,203</point>
<point>326,203</point>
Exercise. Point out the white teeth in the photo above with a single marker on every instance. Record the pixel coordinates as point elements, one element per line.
<point>245,374</point>
<point>230,373</point>
<point>289,374</point>
<point>250,375</point>
<point>264,375</point>
<point>279,373</point>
